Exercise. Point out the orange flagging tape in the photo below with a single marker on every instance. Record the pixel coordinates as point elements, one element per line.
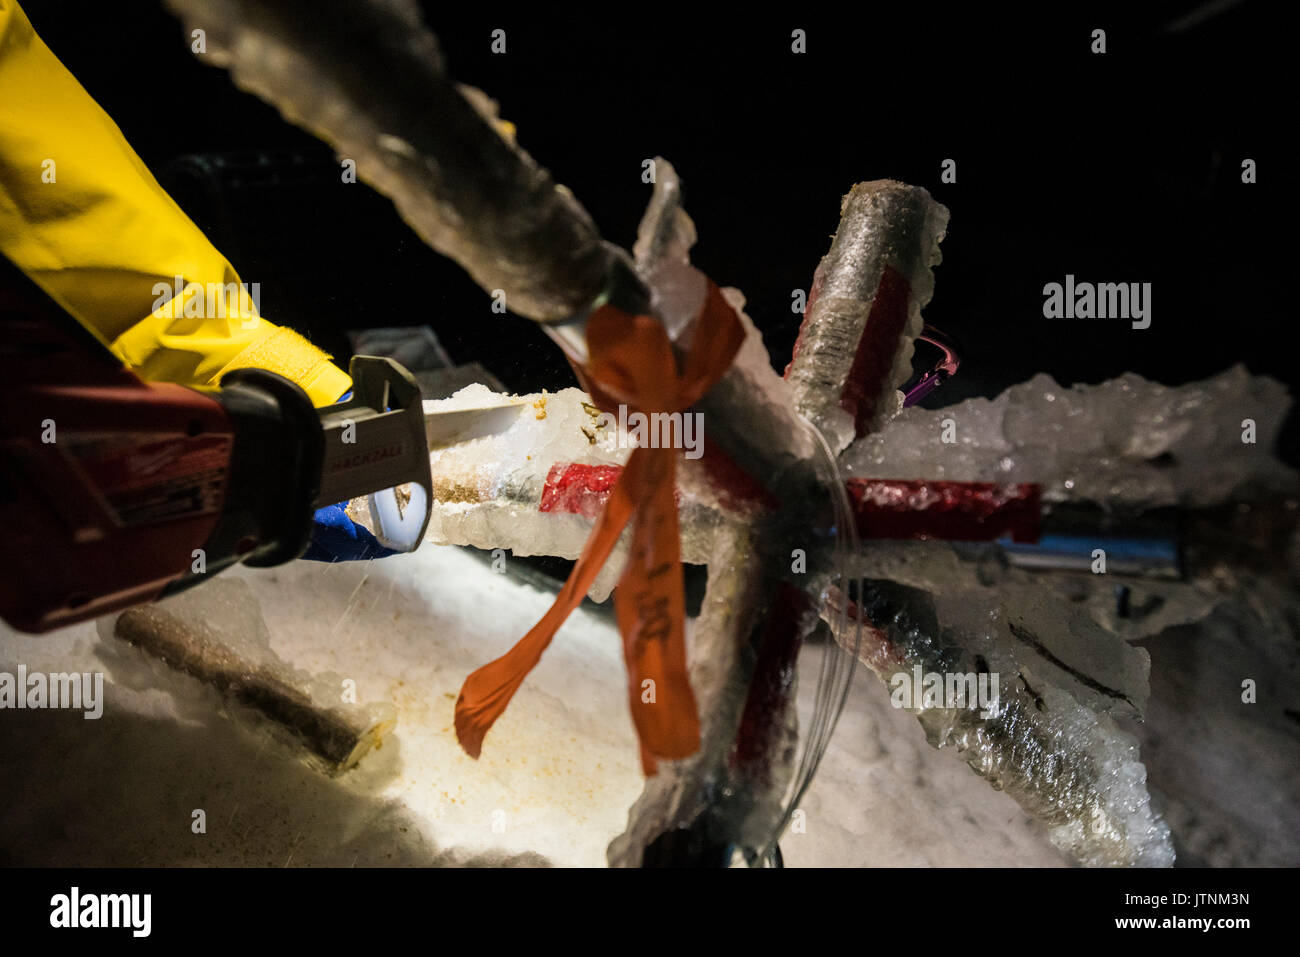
<point>631,363</point>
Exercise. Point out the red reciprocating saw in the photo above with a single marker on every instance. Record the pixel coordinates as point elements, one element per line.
<point>114,491</point>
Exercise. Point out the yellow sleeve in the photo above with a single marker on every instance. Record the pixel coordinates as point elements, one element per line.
<point>82,216</point>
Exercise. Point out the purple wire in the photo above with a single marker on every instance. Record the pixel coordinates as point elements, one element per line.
<point>943,370</point>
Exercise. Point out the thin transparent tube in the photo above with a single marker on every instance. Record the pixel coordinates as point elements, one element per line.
<point>836,674</point>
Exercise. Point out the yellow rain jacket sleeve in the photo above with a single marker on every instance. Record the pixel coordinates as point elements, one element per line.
<point>82,216</point>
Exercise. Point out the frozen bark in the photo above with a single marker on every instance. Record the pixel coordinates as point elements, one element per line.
<point>216,637</point>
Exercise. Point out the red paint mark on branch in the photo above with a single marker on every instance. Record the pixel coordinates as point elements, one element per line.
<point>954,511</point>
<point>876,349</point>
<point>578,489</point>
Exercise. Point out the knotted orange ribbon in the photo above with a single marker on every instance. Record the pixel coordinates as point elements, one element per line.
<point>631,363</point>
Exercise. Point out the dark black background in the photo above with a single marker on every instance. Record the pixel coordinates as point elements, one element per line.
<point>230,907</point>
<point>1117,167</point>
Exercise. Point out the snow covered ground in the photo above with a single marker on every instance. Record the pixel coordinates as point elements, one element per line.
<point>558,771</point>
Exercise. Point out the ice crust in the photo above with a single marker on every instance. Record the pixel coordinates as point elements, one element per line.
<point>1126,442</point>
<point>488,491</point>
<point>979,596</point>
<point>1067,765</point>
<point>883,223</point>
<point>684,791</point>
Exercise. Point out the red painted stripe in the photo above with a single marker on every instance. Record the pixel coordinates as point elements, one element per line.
<point>578,489</point>
<point>772,686</point>
<point>954,511</point>
<point>583,489</point>
<point>876,349</point>
<point>884,508</point>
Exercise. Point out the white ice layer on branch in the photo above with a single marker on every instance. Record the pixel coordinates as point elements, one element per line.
<point>1126,442</point>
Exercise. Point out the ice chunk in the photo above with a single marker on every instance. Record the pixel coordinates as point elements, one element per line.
<point>537,487</point>
<point>1125,442</point>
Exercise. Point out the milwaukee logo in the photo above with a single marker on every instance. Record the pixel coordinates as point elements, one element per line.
<point>370,457</point>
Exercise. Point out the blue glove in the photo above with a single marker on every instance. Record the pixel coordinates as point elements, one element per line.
<point>336,538</point>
